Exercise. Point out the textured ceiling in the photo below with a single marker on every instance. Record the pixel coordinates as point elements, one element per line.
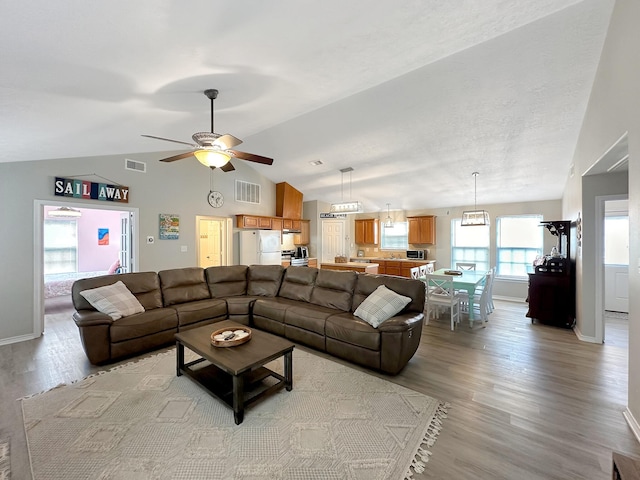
<point>414,96</point>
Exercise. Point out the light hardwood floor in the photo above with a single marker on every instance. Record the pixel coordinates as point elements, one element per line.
<point>527,401</point>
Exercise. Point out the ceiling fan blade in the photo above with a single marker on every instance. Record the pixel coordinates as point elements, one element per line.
<point>227,167</point>
<point>228,141</point>
<point>251,157</point>
<point>177,157</point>
<point>169,140</point>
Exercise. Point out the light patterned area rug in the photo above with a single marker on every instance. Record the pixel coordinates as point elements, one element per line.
<point>5,460</point>
<point>141,421</point>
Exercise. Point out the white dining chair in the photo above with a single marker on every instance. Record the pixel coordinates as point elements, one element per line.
<point>440,293</point>
<point>426,268</point>
<point>465,266</point>
<point>415,272</point>
<point>481,296</point>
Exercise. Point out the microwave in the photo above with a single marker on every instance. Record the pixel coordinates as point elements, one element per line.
<point>416,254</point>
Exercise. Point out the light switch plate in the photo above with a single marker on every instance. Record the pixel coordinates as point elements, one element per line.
<point>183,248</point>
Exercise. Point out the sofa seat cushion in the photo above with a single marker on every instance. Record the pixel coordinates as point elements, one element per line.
<point>142,324</point>
<point>194,312</point>
<point>239,305</point>
<point>308,317</point>
<point>273,308</point>
<point>348,328</point>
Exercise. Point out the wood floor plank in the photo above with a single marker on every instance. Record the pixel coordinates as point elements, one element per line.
<point>528,401</point>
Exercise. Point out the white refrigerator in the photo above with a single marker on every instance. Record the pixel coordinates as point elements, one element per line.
<point>260,247</point>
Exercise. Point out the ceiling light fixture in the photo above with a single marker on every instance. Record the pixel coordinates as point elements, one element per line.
<point>351,206</point>
<point>65,212</point>
<point>212,157</point>
<point>388,223</point>
<point>475,218</point>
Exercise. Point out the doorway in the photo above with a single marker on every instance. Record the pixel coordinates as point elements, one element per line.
<point>96,241</point>
<point>213,241</point>
<point>333,240</point>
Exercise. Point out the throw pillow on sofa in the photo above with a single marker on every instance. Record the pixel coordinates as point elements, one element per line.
<point>114,300</point>
<point>381,305</point>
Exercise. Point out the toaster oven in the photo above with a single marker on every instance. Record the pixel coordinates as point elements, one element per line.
<point>416,254</point>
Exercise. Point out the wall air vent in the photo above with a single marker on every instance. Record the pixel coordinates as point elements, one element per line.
<point>247,192</point>
<point>135,165</point>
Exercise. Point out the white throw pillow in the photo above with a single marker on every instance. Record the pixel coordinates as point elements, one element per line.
<point>114,300</point>
<point>381,305</point>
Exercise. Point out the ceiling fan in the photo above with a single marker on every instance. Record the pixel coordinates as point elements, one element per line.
<point>213,149</point>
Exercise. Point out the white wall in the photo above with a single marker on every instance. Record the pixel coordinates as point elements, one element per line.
<point>179,187</point>
<point>614,108</point>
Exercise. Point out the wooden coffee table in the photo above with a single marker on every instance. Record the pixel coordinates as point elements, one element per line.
<point>235,375</point>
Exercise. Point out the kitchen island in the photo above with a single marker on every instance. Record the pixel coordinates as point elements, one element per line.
<point>355,266</point>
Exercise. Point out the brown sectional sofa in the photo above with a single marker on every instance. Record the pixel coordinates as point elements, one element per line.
<point>306,305</point>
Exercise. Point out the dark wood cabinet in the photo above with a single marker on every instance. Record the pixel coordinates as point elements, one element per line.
<point>552,290</point>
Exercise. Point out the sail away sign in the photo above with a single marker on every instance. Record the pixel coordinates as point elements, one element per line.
<point>71,187</point>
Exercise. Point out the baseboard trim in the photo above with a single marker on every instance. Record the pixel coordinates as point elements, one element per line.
<point>509,299</point>
<point>632,422</point>
<point>584,338</point>
<point>21,338</point>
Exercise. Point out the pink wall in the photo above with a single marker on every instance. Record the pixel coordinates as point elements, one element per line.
<point>91,256</point>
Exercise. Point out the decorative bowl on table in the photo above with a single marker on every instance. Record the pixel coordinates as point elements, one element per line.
<point>226,337</point>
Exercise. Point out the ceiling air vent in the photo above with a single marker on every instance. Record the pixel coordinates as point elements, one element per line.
<point>247,192</point>
<point>135,165</point>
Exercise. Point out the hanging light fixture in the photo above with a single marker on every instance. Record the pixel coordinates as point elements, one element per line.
<point>388,223</point>
<point>212,157</point>
<point>350,206</point>
<point>475,218</point>
<point>65,212</point>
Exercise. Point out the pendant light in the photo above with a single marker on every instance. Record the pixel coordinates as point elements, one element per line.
<point>475,218</point>
<point>350,206</point>
<point>388,223</point>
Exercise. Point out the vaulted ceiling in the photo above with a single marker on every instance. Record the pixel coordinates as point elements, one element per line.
<point>414,96</point>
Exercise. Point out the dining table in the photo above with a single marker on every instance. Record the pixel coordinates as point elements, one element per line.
<point>469,280</point>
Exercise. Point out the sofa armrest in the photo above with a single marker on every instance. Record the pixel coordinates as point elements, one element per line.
<point>401,322</point>
<point>91,318</point>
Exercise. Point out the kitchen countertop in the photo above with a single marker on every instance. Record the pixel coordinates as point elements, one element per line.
<point>373,259</point>
<point>350,264</point>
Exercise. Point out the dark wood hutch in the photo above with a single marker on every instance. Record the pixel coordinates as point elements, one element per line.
<point>552,287</point>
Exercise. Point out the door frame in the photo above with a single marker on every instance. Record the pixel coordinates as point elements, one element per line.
<point>38,247</point>
<point>599,273</point>
<point>226,238</point>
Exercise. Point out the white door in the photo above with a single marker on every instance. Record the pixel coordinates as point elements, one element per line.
<point>126,234</point>
<point>616,263</point>
<point>210,242</point>
<point>333,240</point>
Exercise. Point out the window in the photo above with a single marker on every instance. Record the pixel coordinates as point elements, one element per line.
<point>519,241</point>
<point>470,244</point>
<point>60,246</point>
<point>394,238</point>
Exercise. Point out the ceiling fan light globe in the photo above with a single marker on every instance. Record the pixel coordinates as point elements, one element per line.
<point>212,158</point>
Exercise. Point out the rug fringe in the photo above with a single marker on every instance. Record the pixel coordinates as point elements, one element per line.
<point>421,457</point>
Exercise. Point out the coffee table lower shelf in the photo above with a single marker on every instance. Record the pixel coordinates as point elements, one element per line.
<point>236,391</point>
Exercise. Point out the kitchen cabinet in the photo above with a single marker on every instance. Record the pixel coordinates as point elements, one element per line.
<point>276,223</point>
<point>367,231</point>
<point>392,267</point>
<point>252,221</point>
<point>313,262</point>
<point>422,229</point>
<point>304,237</point>
<point>288,201</point>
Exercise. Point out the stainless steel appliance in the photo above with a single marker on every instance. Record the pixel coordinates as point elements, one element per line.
<point>302,252</point>
<point>416,254</point>
<point>295,258</point>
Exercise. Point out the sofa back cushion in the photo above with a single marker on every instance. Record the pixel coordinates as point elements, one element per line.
<point>145,286</point>
<point>181,285</point>
<point>408,287</point>
<point>334,289</point>
<point>297,283</point>
<point>227,281</point>
<point>264,280</point>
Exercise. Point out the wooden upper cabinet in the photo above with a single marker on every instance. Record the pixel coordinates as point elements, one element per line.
<point>422,229</point>
<point>288,201</point>
<point>367,231</point>
<point>276,223</point>
<point>304,237</point>
<point>251,221</point>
